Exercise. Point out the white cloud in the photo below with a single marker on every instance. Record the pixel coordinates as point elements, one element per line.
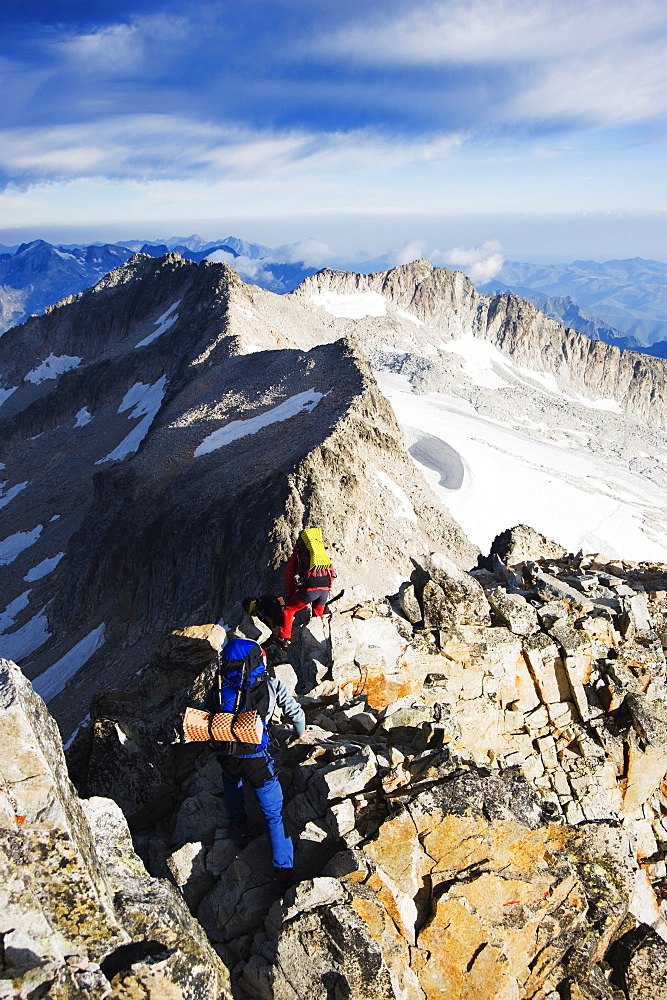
<point>164,145</point>
<point>251,269</point>
<point>121,49</point>
<point>311,252</point>
<point>480,263</point>
<point>412,250</point>
<point>583,59</point>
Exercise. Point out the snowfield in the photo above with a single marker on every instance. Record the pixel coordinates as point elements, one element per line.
<point>493,475</point>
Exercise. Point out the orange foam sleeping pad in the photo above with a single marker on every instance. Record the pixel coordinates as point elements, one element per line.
<point>247,726</point>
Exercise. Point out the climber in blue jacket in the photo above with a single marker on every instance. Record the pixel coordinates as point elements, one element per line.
<point>243,682</point>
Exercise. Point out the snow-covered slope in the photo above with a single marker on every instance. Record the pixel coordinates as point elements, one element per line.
<point>553,430</point>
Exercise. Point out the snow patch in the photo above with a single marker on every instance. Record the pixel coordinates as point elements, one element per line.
<point>405,508</point>
<point>612,405</point>
<point>83,417</point>
<point>11,493</point>
<point>52,367</point>
<point>53,680</point>
<point>25,640</point>
<point>413,319</point>
<point>43,568</point>
<point>163,323</point>
<point>82,725</point>
<point>479,358</point>
<point>146,401</point>
<point>13,545</point>
<point>351,305</point>
<point>304,401</point>
<point>12,610</point>
<point>6,393</point>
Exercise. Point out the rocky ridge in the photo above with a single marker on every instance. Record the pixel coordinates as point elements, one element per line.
<point>478,808</point>
<point>448,301</point>
<point>117,525</point>
<point>123,513</point>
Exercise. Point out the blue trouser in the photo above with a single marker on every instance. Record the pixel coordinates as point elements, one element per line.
<point>259,772</point>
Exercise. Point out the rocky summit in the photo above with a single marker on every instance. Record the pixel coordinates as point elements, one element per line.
<point>479,802</point>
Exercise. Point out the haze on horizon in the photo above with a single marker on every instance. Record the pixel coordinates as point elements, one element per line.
<point>538,129</point>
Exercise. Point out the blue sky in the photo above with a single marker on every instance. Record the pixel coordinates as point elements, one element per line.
<point>540,126</point>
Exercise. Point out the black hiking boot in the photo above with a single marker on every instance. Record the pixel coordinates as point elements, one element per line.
<point>282,879</point>
<point>239,834</point>
<point>283,643</point>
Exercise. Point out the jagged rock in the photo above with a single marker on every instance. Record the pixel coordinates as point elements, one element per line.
<point>640,965</point>
<point>550,588</point>
<point>322,947</point>
<point>372,658</point>
<point>409,603</point>
<point>176,953</point>
<point>514,611</point>
<point>522,543</point>
<point>79,915</point>
<point>635,618</point>
<point>452,597</point>
<point>343,778</point>
<point>649,717</point>
<point>190,873</point>
<point>199,816</point>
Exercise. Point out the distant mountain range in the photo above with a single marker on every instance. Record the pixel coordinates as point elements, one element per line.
<point>621,302</point>
<point>36,275</point>
<point>629,297</point>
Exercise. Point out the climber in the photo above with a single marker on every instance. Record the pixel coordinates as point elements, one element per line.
<point>308,576</point>
<point>243,682</point>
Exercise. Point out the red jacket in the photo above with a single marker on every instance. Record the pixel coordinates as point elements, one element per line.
<point>309,587</point>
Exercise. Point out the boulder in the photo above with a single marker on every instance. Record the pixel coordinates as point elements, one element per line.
<point>521,543</point>
<point>410,606</point>
<point>514,611</point>
<point>456,599</point>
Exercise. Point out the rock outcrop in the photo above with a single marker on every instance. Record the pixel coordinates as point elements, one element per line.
<point>79,914</point>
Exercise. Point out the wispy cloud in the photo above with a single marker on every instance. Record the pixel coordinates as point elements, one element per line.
<point>144,146</point>
<point>600,60</point>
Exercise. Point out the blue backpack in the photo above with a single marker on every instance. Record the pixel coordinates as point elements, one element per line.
<point>244,684</point>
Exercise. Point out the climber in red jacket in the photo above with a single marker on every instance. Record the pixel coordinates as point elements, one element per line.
<point>308,576</point>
